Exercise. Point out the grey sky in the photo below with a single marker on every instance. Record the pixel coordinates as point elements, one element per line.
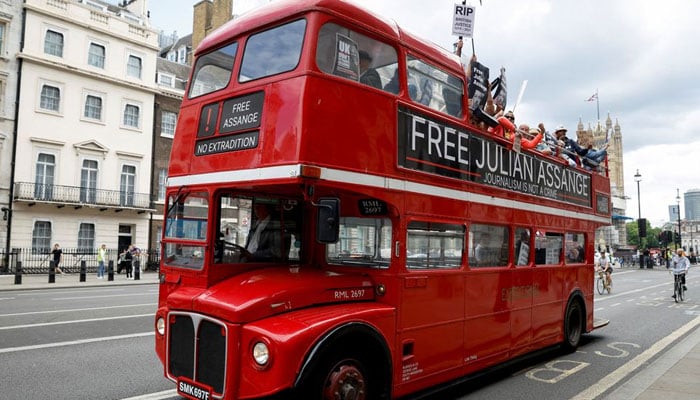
<point>641,57</point>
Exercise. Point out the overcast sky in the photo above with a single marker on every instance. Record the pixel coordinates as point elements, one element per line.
<point>640,56</point>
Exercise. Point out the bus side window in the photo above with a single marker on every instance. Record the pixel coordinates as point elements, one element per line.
<point>548,248</point>
<point>575,248</point>
<point>433,87</point>
<point>488,245</point>
<point>432,245</point>
<point>521,246</point>
<point>340,50</point>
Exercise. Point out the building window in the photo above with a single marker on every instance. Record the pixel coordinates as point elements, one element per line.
<point>133,67</point>
<point>45,168</point>
<point>166,80</point>
<point>162,178</point>
<point>86,238</point>
<point>88,182</point>
<point>53,43</point>
<point>3,85</point>
<point>93,107</point>
<point>131,115</point>
<point>127,185</point>
<point>41,237</point>
<point>50,98</point>
<point>3,25</point>
<point>182,55</point>
<point>96,55</point>
<point>167,124</point>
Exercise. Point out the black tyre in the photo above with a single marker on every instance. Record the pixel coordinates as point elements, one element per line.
<point>573,325</point>
<point>343,375</point>
<point>679,291</point>
<point>600,285</point>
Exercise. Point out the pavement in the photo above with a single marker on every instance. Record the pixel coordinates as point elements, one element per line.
<point>674,375</point>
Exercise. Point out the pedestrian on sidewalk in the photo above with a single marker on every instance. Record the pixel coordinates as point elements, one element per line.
<point>101,255</point>
<point>127,256</point>
<point>57,257</point>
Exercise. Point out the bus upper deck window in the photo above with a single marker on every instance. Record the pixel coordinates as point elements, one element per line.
<point>433,87</point>
<point>343,52</point>
<point>273,51</point>
<point>212,71</point>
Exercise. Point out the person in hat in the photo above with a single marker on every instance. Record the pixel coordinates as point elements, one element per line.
<point>368,76</point>
<point>590,157</point>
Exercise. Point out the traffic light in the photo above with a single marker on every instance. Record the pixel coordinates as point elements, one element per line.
<point>676,238</point>
<point>642,227</point>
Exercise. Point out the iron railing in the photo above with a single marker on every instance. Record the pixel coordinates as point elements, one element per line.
<point>81,196</point>
<point>35,261</point>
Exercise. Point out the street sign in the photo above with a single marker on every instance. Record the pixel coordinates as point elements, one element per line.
<point>463,20</point>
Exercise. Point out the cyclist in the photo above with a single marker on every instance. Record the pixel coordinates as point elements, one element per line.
<point>680,265</point>
<point>605,266</point>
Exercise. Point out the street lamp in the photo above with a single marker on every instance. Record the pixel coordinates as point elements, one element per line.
<point>678,201</point>
<point>638,178</point>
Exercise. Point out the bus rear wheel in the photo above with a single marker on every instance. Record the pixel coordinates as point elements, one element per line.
<point>573,325</point>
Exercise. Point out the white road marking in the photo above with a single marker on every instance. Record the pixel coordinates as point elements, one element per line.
<point>166,394</point>
<point>75,310</point>
<point>616,376</point>
<point>78,321</point>
<point>74,342</point>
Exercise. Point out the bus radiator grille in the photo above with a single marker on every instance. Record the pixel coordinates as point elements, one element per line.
<point>202,359</point>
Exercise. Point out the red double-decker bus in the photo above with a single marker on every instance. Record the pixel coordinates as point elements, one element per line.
<point>336,228</point>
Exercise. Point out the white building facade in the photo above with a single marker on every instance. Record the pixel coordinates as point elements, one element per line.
<point>82,171</point>
<point>10,35</point>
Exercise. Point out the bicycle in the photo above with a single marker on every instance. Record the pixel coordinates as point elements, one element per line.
<point>601,283</point>
<point>678,288</point>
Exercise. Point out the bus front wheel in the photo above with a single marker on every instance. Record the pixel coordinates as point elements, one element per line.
<point>343,375</point>
<point>573,325</point>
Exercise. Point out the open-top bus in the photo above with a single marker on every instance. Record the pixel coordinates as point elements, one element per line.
<point>405,247</point>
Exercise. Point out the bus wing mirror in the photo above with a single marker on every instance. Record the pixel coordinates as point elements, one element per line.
<point>327,223</point>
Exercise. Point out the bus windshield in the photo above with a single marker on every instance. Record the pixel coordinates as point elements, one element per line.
<point>257,229</point>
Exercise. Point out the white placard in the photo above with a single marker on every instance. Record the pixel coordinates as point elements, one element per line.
<point>463,20</point>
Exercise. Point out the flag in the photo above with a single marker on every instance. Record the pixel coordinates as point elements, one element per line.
<point>594,97</point>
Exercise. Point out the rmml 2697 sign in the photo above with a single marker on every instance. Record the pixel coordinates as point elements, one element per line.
<point>434,147</point>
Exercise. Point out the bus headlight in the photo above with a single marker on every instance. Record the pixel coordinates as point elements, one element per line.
<point>261,353</point>
<point>160,326</point>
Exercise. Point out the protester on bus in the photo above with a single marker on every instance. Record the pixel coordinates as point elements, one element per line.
<point>505,128</point>
<point>57,254</point>
<point>533,139</point>
<point>368,76</point>
<point>590,158</point>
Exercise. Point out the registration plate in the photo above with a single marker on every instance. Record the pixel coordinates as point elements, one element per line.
<point>193,390</point>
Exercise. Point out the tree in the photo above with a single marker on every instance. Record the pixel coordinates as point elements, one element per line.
<point>651,240</point>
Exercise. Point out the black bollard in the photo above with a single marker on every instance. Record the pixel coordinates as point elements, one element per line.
<point>83,270</point>
<point>52,272</point>
<point>110,270</point>
<point>18,273</point>
<point>137,270</point>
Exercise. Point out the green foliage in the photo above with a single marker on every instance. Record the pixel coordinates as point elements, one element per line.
<point>651,240</point>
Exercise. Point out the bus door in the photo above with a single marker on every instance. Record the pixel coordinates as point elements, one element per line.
<point>548,281</point>
<point>432,310</point>
<point>521,291</point>
<point>487,325</point>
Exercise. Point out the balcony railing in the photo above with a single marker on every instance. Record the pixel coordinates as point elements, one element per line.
<point>79,196</point>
